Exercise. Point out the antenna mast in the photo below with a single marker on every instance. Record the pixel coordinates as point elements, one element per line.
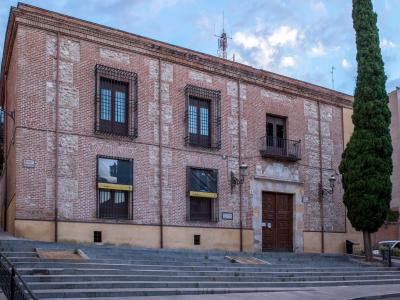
<point>223,41</point>
<point>333,79</point>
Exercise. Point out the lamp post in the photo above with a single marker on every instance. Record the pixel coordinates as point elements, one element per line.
<point>243,171</point>
<point>322,191</point>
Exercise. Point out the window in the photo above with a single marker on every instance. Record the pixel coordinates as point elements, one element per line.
<point>199,122</point>
<point>203,194</point>
<point>116,102</point>
<point>114,184</point>
<point>276,131</point>
<point>203,117</point>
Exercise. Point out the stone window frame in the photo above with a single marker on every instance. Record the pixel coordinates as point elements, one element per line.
<point>214,218</point>
<point>214,96</point>
<point>118,76</point>
<point>130,193</point>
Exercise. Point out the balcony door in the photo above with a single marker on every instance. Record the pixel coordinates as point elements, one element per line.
<point>276,135</point>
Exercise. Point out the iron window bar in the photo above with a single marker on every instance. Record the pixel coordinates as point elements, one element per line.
<point>118,78</point>
<point>11,282</point>
<point>280,148</point>
<point>214,123</point>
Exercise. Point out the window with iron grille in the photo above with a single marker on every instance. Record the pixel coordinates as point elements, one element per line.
<point>203,117</point>
<point>114,187</point>
<point>202,202</point>
<point>116,102</point>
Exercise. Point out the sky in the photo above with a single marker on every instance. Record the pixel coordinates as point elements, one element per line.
<point>302,39</point>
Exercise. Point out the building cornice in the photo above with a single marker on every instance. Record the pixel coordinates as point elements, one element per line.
<point>35,17</point>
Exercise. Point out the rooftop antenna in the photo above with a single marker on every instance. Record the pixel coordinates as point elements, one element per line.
<point>223,41</point>
<point>333,79</point>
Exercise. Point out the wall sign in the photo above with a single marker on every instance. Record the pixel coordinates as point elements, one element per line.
<point>29,163</point>
<point>227,216</point>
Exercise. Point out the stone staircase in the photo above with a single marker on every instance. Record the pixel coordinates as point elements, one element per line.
<point>128,272</point>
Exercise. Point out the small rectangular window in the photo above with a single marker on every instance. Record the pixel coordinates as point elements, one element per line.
<point>203,115</point>
<point>116,107</point>
<point>203,194</point>
<point>199,122</point>
<point>114,183</point>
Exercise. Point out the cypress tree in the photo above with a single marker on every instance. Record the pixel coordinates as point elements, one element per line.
<point>366,164</point>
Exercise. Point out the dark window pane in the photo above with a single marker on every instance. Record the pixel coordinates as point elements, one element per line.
<point>201,180</point>
<point>117,171</point>
<point>204,121</point>
<point>105,104</point>
<point>192,119</point>
<point>200,209</point>
<point>113,204</point>
<point>280,135</point>
<point>120,107</point>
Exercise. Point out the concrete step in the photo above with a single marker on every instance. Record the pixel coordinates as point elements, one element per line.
<point>91,272</point>
<point>232,267</point>
<point>177,289</point>
<point>238,278</point>
<point>203,284</point>
<point>119,294</point>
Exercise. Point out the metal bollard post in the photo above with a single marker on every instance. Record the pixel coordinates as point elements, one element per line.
<point>12,282</point>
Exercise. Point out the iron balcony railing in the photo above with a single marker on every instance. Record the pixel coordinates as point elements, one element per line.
<point>273,147</point>
<point>11,282</point>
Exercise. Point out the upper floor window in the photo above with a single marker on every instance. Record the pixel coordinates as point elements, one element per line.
<point>275,143</point>
<point>203,117</point>
<point>199,122</point>
<point>116,105</point>
<point>276,131</point>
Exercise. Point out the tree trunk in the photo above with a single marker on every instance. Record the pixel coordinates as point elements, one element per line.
<point>367,246</point>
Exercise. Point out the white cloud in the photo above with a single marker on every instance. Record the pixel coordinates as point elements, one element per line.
<point>345,64</point>
<point>266,50</point>
<point>318,7</point>
<point>318,49</point>
<point>247,40</point>
<point>263,52</point>
<point>283,35</point>
<point>288,61</point>
<point>385,43</point>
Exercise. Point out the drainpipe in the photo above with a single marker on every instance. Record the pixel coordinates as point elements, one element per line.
<point>240,163</point>
<point>320,193</point>
<point>160,155</point>
<point>5,151</point>
<point>56,139</point>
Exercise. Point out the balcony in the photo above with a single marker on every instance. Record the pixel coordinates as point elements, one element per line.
<point>282,149</point>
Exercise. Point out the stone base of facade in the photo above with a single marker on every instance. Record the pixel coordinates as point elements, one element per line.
<point>137,235</point>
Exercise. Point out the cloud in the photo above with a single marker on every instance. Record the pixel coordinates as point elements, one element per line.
<point>284,35</point>
<point>318,49</point>
<point>288,61</point>
<point>318,7</point>
<point>345,64</point>
<point>265,49</point>
<point>263,53</point>
<point>385,43</point>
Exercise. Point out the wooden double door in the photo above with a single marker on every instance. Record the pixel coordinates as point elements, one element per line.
<point>277,222</point>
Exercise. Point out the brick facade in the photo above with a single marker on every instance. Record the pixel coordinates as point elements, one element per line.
<point>34,75</point>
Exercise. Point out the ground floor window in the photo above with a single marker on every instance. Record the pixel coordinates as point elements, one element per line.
<point>113,204</point>
<point>202,194</point>
<point>114,187</point>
